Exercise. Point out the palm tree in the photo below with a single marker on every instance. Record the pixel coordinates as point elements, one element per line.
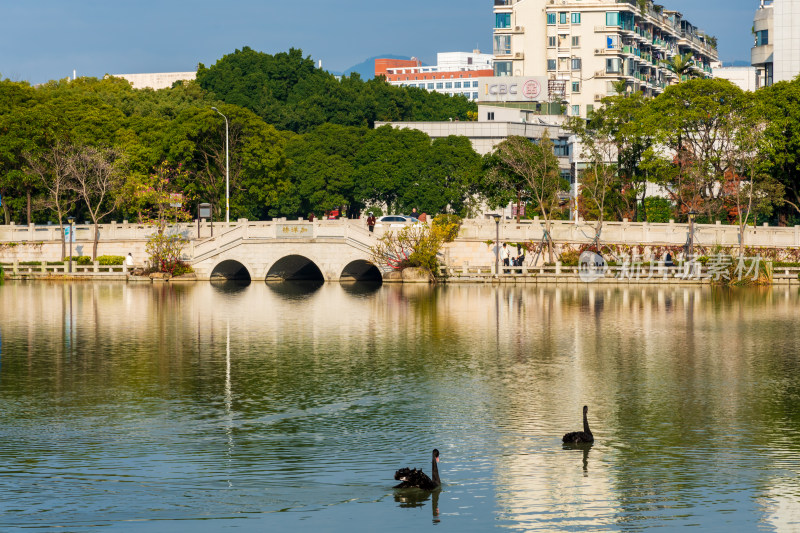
<point>680,64</point>
<point>620,87</point>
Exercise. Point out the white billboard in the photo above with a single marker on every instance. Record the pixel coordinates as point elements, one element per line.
<point>513,89</point>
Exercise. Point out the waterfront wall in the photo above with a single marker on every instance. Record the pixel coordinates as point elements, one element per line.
<point>474,246</point>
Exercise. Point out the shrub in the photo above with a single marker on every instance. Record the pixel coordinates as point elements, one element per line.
<point>570,258</point>
<point>182,268</point>
<point>2,274</point>
<point>658,209</point>
<point>416,245</point>
<point>449,225</point>
<point>165,253</point>
<point>111,259</point>
<point>80,259</point>
<point>30,263</point>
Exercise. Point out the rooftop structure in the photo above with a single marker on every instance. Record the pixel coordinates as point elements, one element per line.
<point>455,73</point>
<point>157,80</point>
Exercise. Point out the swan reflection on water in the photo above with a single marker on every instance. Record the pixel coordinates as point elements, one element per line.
<point>583,447</point>
<point>412,498</point>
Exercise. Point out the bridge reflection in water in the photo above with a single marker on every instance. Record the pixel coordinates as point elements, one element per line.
<point>298,268</point>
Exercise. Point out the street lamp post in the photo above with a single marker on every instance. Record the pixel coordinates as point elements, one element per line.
<point>70,220</point>
<point>227,170</point>
<point>497,245</point>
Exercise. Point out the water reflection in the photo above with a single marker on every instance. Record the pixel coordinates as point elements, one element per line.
<point>229,286</point>
<point>294,289</point>
<point>584,449</point>
<point>361,288</point>
<point>410,498</point>
<point>167,402</point>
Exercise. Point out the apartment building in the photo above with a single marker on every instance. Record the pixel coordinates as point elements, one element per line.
<point>584,46</point>
<point>776,50</point>
<point>455,73</point>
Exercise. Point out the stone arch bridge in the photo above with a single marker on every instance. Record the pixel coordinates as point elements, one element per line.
<point>287,250</point>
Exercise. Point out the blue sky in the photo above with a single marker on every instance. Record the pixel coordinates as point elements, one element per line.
<point>47,39</point>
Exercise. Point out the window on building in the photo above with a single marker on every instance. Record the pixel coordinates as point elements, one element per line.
<point>440,85</point>
<point>475,83</point>
<point>576,110</point>
<point>589,109</point>
<point>562,17</point>
<point>551,41</point>
<point>612,18</point>
<point>501,68</point>
<point>551,18</point>
<point>502,45</point>
<point>576,18</point>
<point>551,64</point>
<point>490,115</point>
<point>576,63</point>
<point>502,20</point>
<point>474,96</point>
<point>561,148</point>
<point>613,65</point>
<point>612,42</point>
<point>430,86</point>
<point>458,85</point>
<point>448,85</point>
<point>576,86</point>
<point>762,37</point>
<point>576,41</point>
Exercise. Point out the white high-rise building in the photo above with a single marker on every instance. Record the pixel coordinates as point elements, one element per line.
<point>583,46</point>
<point>776,51</point>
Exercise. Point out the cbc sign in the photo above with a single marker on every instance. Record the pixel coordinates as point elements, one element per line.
<point>512,89</point>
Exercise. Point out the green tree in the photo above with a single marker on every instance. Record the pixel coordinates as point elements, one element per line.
<point>537,165</point>
<point>695,122</point>
<point>779,104</point>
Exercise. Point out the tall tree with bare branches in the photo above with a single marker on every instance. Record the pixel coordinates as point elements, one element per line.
<point>97,180</point>
<point>52,169</point>
<point>537,166</point>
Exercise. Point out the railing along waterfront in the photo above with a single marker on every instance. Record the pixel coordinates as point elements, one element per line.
<point>658,272</point>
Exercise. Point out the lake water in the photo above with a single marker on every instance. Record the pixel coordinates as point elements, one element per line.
<point>287,407</point>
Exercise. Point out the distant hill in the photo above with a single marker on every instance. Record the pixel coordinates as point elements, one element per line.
<point>366,69</point>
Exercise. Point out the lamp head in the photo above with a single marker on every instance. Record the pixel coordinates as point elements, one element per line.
<point>496,218</point>
<point>70,219</point>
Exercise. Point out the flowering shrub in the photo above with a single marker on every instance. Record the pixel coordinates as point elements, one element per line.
<point>165,254</point>
<point>413,246</point>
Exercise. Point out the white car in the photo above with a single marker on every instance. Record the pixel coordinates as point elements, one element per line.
<point>394,221</point>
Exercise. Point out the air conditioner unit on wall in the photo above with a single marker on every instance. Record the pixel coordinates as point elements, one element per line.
<point>598,97</point>
<point>518,55</point>
<point>519,28</point>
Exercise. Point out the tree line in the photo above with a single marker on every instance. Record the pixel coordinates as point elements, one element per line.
<point>300,141</point>
<point>303,141</point>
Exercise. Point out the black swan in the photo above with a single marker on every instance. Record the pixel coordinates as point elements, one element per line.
<point>578,437</point>
<point>414,478</point>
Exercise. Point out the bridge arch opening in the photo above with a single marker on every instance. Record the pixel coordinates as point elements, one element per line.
<point>230,270</point>
<point>361,270</point>
<point>294,268</point>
